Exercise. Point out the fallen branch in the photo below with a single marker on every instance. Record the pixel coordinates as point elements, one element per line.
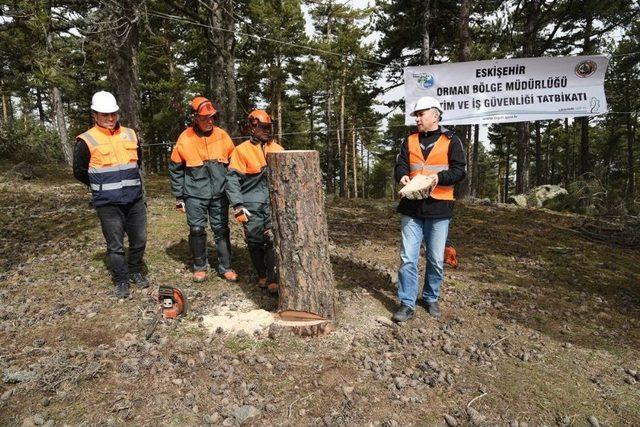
<point>498,341</point>
<point>476,398</point>
<point>298,400</point>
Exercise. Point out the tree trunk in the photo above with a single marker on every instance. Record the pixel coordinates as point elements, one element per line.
<point>279,101</point>
<point>123,63</point>
<point>507,170</point>
<point>538,154</point>
<point>530,38</point>
<point>61,125</point>
<point>221,51</point>
<point>40,108</point>
<point>354,160</point>
<point>631,141</point>
<point>58,109</point>
<point>342,143</point>
<point>475,189</point>
<point>426,18</point>
<point>585,156</point>
<point>522,159</point>
<point>567,153</point>
<point>5,109</point>
<point>301,239</point>
<point>499,186</point>
<point>329,141</point>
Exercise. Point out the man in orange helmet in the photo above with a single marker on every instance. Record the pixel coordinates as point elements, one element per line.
<point>249,195</point>
<point>198,171</point>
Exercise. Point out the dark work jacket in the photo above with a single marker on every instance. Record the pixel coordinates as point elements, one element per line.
<point>430,207</point>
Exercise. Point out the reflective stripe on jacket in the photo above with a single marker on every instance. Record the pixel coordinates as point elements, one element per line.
<point>114,176</point>
<point>438,160</point>
<point>247,180</point>
<point>198,166</point>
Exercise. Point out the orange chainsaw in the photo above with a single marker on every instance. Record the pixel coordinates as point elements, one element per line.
<point>172,302</point>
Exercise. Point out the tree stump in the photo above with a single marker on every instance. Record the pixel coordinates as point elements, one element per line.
<point>307,291</point>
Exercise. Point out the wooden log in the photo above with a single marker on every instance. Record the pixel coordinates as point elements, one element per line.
<point>307,288</point>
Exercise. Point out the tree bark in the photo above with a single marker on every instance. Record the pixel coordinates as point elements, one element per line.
<point>538,154</point>
<point>342,143</point>
<point>522,158</point>
<point>329,141</point>
<point>300,234</point>
<point>61,124</point>
<point>221,50</point>
<point>507,170</point>
<point>475,189</point>
<point>123,63</point>
<point>567,153</point>
<point>426,18</point>
<point>631,141</point>
<point>354,160</point>
<point>585,156</point>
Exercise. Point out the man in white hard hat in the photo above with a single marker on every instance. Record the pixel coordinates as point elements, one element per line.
<point>107,158</point>
<point>436,152</point>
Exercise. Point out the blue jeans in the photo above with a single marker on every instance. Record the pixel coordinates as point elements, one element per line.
<point>434,234</point>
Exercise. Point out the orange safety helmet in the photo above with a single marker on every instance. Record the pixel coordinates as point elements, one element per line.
<point>260,116</point>
<point>202,106</point>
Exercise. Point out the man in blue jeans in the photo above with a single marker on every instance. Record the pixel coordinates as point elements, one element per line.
<point>436,152</point>
<point>108,158</point>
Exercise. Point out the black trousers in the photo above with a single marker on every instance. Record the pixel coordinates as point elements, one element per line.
<point>116,221</point>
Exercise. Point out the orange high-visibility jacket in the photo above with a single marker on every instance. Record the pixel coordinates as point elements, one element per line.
<point>198,166</point>
<point>114,176</point>
<point>247,180</point>
<point>438,160</point>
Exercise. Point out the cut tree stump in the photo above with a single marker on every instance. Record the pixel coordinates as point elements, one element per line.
<point>307,291</point>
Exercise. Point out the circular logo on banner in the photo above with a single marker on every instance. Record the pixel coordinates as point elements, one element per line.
<point>425,81</point>
<point>586,68</point>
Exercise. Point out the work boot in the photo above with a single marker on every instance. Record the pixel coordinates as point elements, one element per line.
<point>230,276</point>
<point>122,290</point>
<point>262,283</point>
<point>139,279</point>
<point>199,276</point>
<point>403,314</point>
<point>433,308</point>
<point>273,288</point>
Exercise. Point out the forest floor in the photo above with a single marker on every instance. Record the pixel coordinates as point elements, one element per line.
<point>540,326</point>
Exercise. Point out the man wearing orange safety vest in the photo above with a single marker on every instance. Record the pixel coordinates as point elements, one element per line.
<point>107,158</point>
<point>436,152</point>
<point>198,172</point>
<point>249,196</point>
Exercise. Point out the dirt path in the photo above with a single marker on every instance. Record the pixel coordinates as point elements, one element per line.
<point>539,326</point>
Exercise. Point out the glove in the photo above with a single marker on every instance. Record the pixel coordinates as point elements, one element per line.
<point>242,214</point>
<point>180,205</point>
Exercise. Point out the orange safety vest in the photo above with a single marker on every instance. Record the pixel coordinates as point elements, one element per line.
<point>114,176</point>
<point>438,160</point>
<point>193,149</point>
<point>250,158</point>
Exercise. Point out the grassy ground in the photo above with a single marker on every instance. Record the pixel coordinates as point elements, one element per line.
<point>540,325</point>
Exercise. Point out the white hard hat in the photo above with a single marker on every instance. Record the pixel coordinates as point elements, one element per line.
<point>104,102</point>
<point>425,103</point>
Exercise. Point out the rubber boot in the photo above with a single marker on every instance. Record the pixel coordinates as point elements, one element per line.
<point>223,249</point>
<point>198,245</point>
<point>257,253</point>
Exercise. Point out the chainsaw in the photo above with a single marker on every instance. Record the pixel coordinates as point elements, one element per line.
<point>172,303</point>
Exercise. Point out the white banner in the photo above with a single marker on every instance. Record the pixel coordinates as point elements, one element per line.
<point>510,90</point>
